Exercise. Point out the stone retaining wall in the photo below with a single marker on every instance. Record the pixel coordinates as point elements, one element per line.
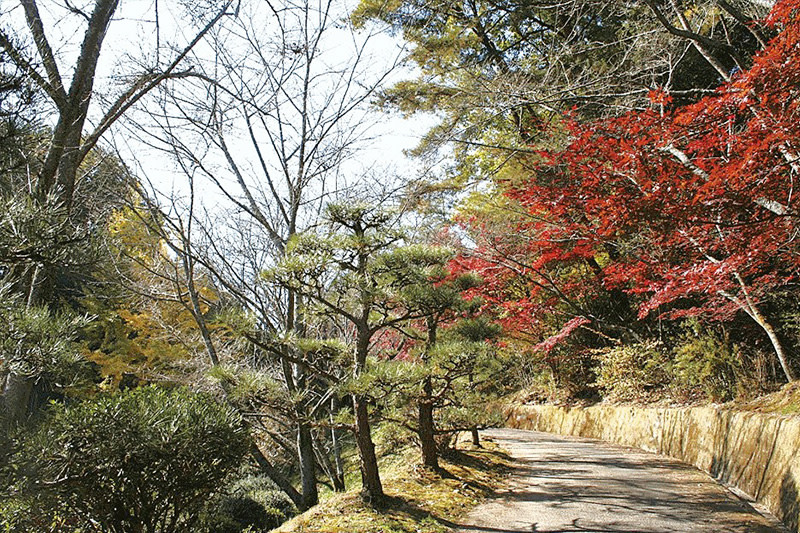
<point>754,452</point>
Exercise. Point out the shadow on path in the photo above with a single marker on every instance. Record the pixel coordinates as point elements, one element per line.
<point>565,484</point>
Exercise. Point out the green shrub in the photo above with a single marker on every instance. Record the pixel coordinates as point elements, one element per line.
<point>276,503</point>
<point>141,460</point>
<point>633,372</point>
<point>264,491</point>
<point>237,513</point>
<point>251,503</point>
<point>708,362</point>
<point>38,343</point>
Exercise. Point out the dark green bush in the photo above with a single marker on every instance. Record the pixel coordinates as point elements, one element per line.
<point>236,513</point>
<point>250,502</point>
<point>141,460</point>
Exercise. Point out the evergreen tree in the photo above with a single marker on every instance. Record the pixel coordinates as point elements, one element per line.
<point>358,272</point>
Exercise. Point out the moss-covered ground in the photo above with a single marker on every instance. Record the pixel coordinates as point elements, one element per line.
<point>419,500</point>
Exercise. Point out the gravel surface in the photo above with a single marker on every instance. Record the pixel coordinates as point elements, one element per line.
<point>567,484</point>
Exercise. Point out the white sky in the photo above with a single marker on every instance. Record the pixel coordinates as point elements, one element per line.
<point>132,39</point>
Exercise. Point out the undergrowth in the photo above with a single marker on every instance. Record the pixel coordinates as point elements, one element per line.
<point>783,402</point>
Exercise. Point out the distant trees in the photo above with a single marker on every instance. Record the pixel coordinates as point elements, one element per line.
<point>155,308</point>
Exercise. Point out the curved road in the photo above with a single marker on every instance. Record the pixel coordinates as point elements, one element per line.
<point>567,484</point>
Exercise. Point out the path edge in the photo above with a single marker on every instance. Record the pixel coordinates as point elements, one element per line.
<point>756,454</point>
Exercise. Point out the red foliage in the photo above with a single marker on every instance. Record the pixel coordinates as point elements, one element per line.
<point>550,343</point>
<point>693,205</point>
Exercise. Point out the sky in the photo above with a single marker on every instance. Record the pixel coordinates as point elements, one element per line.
<point>137,39</point>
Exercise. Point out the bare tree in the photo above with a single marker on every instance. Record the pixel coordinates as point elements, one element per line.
<point>170,271</point>
<point>25,38</point>
<point>279,114</point>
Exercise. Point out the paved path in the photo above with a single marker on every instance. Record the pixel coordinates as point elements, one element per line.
<point>566,484</point>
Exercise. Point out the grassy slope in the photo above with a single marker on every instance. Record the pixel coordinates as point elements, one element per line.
<point>783,402</point>
<point>419,500</point>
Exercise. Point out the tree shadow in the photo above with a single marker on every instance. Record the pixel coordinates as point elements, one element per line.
<point>398,507</point>
<point>614,490</point>
<point>479,458</point>
<point>486,461</point>
<point>790,502</point>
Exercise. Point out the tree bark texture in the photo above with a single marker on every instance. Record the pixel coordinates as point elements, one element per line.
<point>336,444</point>
<point>371,488</point>
<point>17,393</point>
<point>64,155</point>
<point>308,474</point>
<point>777,345</point>
<point>427,432</point>
<point>282,483</point>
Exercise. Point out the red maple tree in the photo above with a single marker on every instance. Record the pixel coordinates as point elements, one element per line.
<point>691,211</point>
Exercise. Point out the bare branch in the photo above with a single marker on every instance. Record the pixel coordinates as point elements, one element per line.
<point>147,83</point>
<point>34,21</point>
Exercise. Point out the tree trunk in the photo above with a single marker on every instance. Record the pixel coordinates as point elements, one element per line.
<point>17,397</point>
<point>323,461</point>
<point>197,308</point>
<point>371,488</point>
<point>282,483</point>
<point>777,345</point>
<point>427,431</point>
<point>18,388</point>
<point>476,439</point>
<point>295,377</point>
<point>336,443</point>
<point>749,306</point>
<point>426,427</point>
<point>308,474</point>
<point>64,155</point>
